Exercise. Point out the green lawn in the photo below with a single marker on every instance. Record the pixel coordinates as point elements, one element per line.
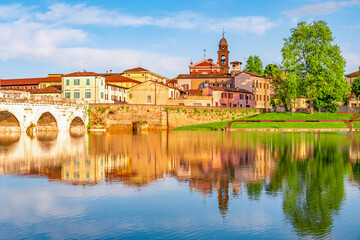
<point>203,127</point>
<point>288,125</point>
<point>300,116</point>
<point>356,124</point>
<point>358,117</point>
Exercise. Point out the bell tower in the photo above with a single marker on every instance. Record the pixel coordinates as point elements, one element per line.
<point>223,55</point>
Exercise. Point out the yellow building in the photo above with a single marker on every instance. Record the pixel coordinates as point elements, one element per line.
<point>51,80</point>
<point>152,93</point>
<point>143,75</point>
<point>350,78</point>
<point>119,80</point>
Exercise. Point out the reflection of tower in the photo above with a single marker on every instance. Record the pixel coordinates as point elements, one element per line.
<point>223,55</point>
<point>223,195</point>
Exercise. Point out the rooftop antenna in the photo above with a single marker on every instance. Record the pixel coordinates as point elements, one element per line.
<point>204,53</point>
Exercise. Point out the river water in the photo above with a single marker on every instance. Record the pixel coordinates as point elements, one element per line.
<point>180,185</point>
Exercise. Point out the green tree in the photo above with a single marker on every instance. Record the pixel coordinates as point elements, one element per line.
<point>284,86</point>
<point>316,62</point>
<point>254,64</point>
<point>312,187</point>
<point>356,89</point>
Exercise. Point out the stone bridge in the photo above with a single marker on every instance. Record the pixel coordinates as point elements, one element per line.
<point>19,111</point>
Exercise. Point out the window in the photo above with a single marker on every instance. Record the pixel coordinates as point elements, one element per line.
<point>149,99</point>
<point>231,95</point>
<point>67,82</point>
<point>228,85</point>
<point>67,94</point>
<point>220,85</point>
<point>197,104</point>
<point>87,94</point>
<point>223,60</point>
<point>240,105</point>
<point>223,95</point>
<point>87,81</point>
<point>106,97</point>
<point>76,81</point>
<point>257,84</point>
<point>241,96</point>
<point>260,98</point>
<point>206,84</point>
<point>101,95</point>
<point>76,94</point>
<point>102,82</point>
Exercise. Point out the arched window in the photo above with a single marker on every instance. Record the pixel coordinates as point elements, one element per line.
<point>223,58</point>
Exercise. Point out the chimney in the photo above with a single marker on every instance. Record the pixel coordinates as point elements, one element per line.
<point>110,71</point>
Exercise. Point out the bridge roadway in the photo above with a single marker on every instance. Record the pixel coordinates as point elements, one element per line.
<point>19,111</point>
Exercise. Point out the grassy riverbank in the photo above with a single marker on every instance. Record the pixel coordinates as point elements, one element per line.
<point>278,125</point>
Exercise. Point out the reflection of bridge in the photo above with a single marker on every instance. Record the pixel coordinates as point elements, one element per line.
<point>18,112</point>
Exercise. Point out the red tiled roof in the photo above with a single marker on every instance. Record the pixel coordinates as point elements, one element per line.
<point>194,91</point>
<point>354,74</point>
<point>138,69</point>
<point>119,78</point>
<point>174,80</point>
<point>252,73</point>
<point>113,85</point>
<point>81,74</point>
<point>28,81</point>
<point>50,89</point>
<point>192,76</point>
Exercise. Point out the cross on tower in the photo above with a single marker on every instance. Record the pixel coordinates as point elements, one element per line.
<point>223,32</point>
<point>204,52</point>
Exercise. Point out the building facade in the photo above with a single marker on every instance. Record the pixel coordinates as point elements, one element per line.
<point>257,85</point>
<point>87,86</point>
<point>143,75</point>
<point>201,81</point>
<point>152,93</point>
<point>229,97</point>
<point>353,102</point>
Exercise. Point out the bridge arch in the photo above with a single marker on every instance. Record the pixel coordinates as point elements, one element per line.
<point>77,126</point>
<point>47,122</point>
<point>9,122</point>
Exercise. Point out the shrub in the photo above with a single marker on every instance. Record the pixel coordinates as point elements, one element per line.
<point>167,109</point>
<point>127,109</point>
<point>196,111</point>
<point>184,110</point>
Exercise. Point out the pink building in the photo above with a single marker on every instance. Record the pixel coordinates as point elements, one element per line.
<point>229,97</point>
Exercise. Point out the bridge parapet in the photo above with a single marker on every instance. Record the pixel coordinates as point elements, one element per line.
<point>27,112</point>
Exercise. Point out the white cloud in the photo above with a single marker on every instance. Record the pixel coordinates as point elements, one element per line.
<point>320,8</point>
<point>81,14</point>
<point>56,35</point>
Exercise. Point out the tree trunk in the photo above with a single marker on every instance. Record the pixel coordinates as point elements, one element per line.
<point>311,106</point>
<point>291,106</point>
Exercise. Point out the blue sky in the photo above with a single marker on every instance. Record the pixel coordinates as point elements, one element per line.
<point>48,36</point>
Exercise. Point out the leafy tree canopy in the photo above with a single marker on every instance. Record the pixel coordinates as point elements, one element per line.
<point>316,62</point>
<point>254,64</point>
<point>356,87</point>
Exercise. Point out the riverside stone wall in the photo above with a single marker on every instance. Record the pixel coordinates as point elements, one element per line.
<point>121,117</point>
